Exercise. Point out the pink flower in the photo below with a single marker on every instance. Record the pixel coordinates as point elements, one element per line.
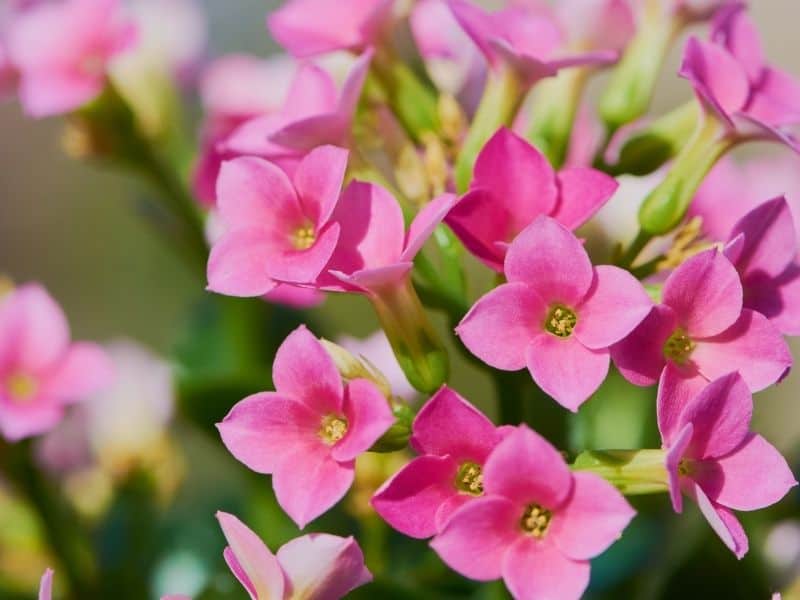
<point>62,50</point>
<point>8,74</point>
<point>277,229</point>
<point>713,457</point>
<point>454,440</point>
<point>308,432</point>
<point>558,315</point>
<point>319,565</point>
<point>41,372</point>
<point>513,184</point>
<point>701,330</point>
<point>734,82</point>
<point>537,525</point>
<point>309,27</point>
<point>46,585</point>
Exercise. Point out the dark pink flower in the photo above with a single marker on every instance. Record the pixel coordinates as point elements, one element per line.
<point>46,585</point>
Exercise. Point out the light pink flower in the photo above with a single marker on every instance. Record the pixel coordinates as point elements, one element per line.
<point>513,184</point>
<point>701,329</point>
<point>308,432</point>
<point>558,315</point>
<point>377,350</point>
<point>62,50</point>
<point>41,372</point>
<point>454,440</point>
<point>537,525</point>
<point>309,27</point>
<point>713,457</point>
<point>320,566</point>
<point>735,84</point>
<point>46,585</point>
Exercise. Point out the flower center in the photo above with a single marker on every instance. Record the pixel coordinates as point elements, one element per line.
<point>92,65</point>
<point>679,347</point>
<point>469,479</point>
<point>561,321</point>
<point>333,429</point>
<point>21,387</point>
<point>684,467</point>
<point>535,520</point>
<point>303,237</point>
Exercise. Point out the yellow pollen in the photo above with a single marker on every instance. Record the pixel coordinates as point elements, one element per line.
<point>333,429</point>
<point>535,520</point>
<point>21,387</point>
<point>304,237</point>
<point>561,321</point>
<point>679,347</point>
<point>684,467</point>
<point>469,479</point>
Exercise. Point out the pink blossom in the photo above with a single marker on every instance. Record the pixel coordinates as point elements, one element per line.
<point>308,432</point>
<point>41,372</point>
<point>8,74</point>
<point>513,183</point>
<point>321,566</point>
<point>309,27</point>
<point>454,440</point>
<point>702,331</point>
<point>558,315</point>
<point>62,50</point>
<point>537,524</point>
<point>377,350</point>
<point>734,82</point>
<point>713,458</point>
<point>46,585</point>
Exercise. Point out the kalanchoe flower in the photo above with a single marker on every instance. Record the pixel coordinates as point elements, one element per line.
<point>558,315</point>
<point>701,330</point>
<point>310,27</point>
<point>46,585</point>
<point>537,525</point>
<point>713,457</point>
<point>312,566</point>
<point>513,184</point>
<point>62,50</point>
<point>596,24</point>
<point>454,440</point>
<point>41,372</point>
<point>309,431</point>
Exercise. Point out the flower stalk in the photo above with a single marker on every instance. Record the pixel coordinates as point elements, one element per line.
<point>632,472</point>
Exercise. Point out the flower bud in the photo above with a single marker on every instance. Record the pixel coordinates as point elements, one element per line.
<point>351,367</point>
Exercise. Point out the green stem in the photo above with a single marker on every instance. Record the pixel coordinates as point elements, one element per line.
<point>520,400</point>
<point>630,255</point>
<point>632,472</point>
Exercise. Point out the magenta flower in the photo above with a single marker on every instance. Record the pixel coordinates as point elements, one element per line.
<point>454,440</point>
<point>312,566</point>
<point>558,315</point>
<point>713,458</point>
<point>513,184</point>
<point>735,83</point>
<point>309,27</point>
<point>41,372</point>
<point>537,525</point>
<point>309,431</point>
<point>62,50</point>
<point>277,229</point>
<point>46,585</point>
<point>701,329</point>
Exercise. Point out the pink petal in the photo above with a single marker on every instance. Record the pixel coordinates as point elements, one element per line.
<point>776,102</point>
<point>294,296</point>
<point>84,369</point>
<point>769,240</point>
<point>675,454</point>
<point>552,261</point>
<point>237,265</point>
<point>253,138</point>
<point>263,428</point>
<point>318,181</point>
<point>46,585</point>
<point>752,345</point>
<point>304,266</point>
<point>306,134</point>
<point>534,569</point>
<point>18,422</point>
<point>778,300</point>
<point>45,94</point>
<point>250,560</point>
<point>477,24</point>
<point>477,536</point>
<point>582,193</point>
<point>640,356</point>
<point>322,566</point>
<point>370,281</point>
<point>304,370</point>
<point>313,92</point>
<point>526,468</point>
<point>501,325</point>
<point>753,476</point>
<point>732,29</point>
<point>368,417</point>
<point>566,369</point>
<point>409,501</point>
<point>673,398</point>
<point>424,223</point>
<point>479,222</point>
<point>449,507</point>
<point>354,83</point>
<point>723,522</point>
<point>615,305</point>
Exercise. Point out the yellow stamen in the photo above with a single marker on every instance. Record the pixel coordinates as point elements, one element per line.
<point>304,237</point>
<point>679,347</point>
<point>469,479</point>
<point>536,520</point>
<point>21,387</point>
<point>560,321</point>
<point>333,429</point>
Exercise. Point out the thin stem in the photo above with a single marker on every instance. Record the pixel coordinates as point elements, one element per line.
<point>628,258</point>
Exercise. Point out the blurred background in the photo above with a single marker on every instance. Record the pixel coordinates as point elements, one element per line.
<point>78,228</point>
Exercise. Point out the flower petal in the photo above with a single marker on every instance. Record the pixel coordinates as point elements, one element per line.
<point>640,356</point>
<point>479,222</point>
<point>318,181</point>
<point>673,398</point>
<point>723,522</point>
<point>425,222</point>
<point>46,585</point>
<point>534,569</point>
<point>238,263</point>
<point>769,241</point>
<point>368,417</point>
<point>674,457</point>
<point>84,369</point>
<point>583,192</point>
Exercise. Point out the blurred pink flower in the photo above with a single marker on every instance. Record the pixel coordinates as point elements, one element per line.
<point>702,332</point>
<point>558,315</point>
<point>46,585</point>
<point>454,440</point>
<point>537,525</point>
<point>377,350</point>
<point>321,566</point>
<point>62,50</point>
<point>513,184</point>
<point>713,457</point>
<point>8,74</point>
<point>41,372</point>
<point>308,432</point>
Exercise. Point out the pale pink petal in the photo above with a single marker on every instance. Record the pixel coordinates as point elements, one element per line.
<point>723,522</point>
<point>537,569</point>
<point>318,181</point>
<point>776,101</point>
<point>673,398</point>
<point>46,585</point>
<point>566,369</point>
<point>480,222</point>
<point>42,329</point>
<point>289,265</point>
<point>733,29</point>
<point>370,281</point>
<point>312,92</point>
<point>500,325</point>
<point>582,193</point>
<point>672,463</point>
<point>294,296</point>
<point>84,369</point>
<point>615,305</point>
<point>48,93</point>
<point>477,24</point>
<point>769,241</point>
<point>354,83</point>
<point>34,418</point>
<point>475,539</point>
<point>237,265</point>
<point>368,417</point>
<point>424,223</point>
<point>306,134</point>
<point>640,356</point>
